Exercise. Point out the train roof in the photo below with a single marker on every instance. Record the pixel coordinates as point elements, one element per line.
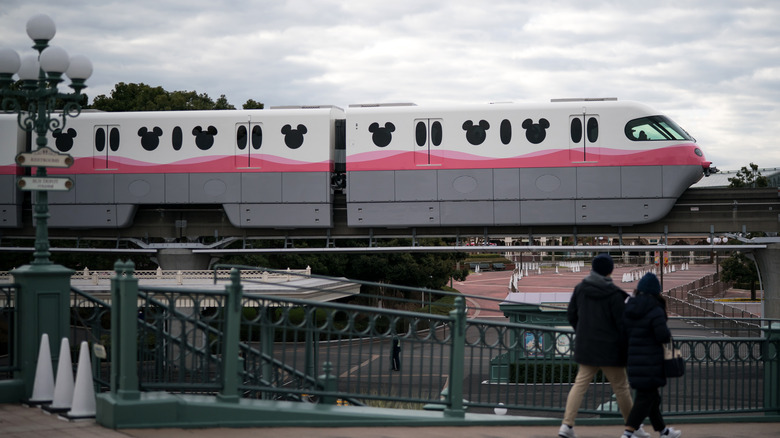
<point>572,105</point>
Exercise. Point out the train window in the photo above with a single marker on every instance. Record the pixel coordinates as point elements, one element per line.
<point>593,129</point>
<point>655,128</point>
<point>176,138</point>
<point>506,131</point>
<point>113,139</point>
<point>241,137</point>
<point>100,139</point>
<point>576,130</point>
<point>257,136</point>
<point>436,133</point>
<point>421,134</point>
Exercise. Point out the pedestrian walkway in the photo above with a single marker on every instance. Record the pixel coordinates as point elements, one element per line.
<point>494,285</point>
<point>17,421</point>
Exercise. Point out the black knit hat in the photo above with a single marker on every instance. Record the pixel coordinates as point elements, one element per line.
<point>603,264</point>
<point>649,284</point>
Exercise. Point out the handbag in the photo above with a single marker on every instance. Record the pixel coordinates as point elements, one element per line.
<point>674,365</point>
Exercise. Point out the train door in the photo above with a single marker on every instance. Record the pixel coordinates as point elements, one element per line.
<point>427,137</point>
<point>249,139</point>
<point>584,137</point>
<point>106,146</point>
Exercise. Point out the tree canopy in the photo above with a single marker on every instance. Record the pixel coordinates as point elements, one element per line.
<point>741,271</point>
<point>749,177</point>
<point>424,270</point>
<point>142,97</point>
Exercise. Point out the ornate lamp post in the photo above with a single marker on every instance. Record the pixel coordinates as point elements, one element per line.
<point>40,74</point>
<point>43,294</point>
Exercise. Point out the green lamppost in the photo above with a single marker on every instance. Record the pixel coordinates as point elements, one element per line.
<point>43,298</point>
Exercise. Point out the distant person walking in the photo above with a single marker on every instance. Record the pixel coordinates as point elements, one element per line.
<point>396,365</point>
<point>596,313</point>
<point>646,329</point>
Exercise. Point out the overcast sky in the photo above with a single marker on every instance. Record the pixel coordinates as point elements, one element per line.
<point>712,65</point>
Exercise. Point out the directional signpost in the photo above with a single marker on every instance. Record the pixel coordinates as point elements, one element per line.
<point>48,183</point>
<point>44,157</point>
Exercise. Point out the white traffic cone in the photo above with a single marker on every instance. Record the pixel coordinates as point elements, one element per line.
<point>63,386</point>
<point>83,404</point>
<point>43,387</point>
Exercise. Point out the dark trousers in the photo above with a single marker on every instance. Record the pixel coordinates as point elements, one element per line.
<point>646,404</point>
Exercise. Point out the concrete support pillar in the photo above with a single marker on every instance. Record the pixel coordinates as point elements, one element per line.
<point>768,261</point>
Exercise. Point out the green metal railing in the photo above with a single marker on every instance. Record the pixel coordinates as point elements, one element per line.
<point>270,348</point>
<point>233,346</point>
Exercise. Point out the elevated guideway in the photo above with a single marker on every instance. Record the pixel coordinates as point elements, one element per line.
<point>698,212</point>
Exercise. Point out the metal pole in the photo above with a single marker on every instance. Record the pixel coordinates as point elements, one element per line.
<point>230,339</point>
<point>457,353</point>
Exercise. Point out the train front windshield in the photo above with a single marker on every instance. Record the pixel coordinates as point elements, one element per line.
<point>655,128</point>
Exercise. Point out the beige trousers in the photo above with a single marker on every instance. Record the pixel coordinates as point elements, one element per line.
<point>617,379</point>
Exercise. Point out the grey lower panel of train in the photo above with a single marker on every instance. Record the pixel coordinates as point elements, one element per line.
<point>10,203</point>
<point>538,196</point>
<point>292,199</point>
<point>406,198</point>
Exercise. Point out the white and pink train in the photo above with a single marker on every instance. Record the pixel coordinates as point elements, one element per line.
<point>567,162</point>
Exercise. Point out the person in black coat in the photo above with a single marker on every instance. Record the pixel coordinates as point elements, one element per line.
<point>646,330</point>
<point>396,365</point>
<point>595,312</point>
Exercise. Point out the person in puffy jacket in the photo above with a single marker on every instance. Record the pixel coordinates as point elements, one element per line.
<point>646,331</point>
<point>595,312</point>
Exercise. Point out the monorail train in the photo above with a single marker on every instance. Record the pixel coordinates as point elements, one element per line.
<point>566,162</point>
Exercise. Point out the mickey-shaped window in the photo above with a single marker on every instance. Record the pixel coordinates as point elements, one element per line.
<point>476,133</point>
<point>64,139</point>
<point>293,137</point>
<point>204,138</point>
<point>381,135</point>
<point>150,139</point>
<point>536,132</point>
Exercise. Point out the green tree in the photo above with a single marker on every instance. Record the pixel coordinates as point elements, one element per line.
<point>252,104</point>
<point>741,271</point>
<point>749,177</point>
<point>142,97</point>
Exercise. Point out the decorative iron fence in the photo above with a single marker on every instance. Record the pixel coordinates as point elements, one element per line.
<point>90,320</point>
<point>221,341</point>
<point>288,349</point>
